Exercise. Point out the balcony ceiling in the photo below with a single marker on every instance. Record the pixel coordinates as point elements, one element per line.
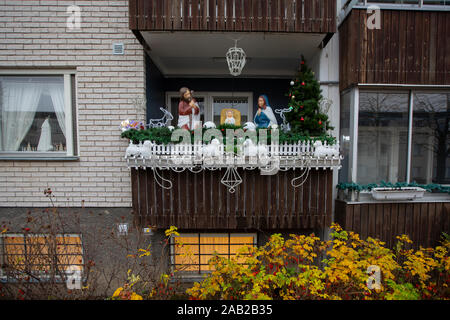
<point>200,54</point>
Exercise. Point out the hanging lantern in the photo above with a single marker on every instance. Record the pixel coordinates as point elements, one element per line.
<point>236,60</point>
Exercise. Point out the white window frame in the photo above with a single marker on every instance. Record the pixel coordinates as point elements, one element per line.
<point>354,119</point>
<point>199,234</point>
<point>209,101</point>
<point>68,95</point>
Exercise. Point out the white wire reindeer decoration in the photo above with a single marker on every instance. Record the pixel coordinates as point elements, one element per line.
<point>285,126</point>
<point>160,123</point>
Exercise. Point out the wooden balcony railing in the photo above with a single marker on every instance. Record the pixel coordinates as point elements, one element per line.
<point>201,201</point>
<point>315,16</point>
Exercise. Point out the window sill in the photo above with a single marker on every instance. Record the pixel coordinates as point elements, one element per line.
<point>39,158</point>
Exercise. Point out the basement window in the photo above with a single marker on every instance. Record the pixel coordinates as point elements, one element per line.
<point>190,253</point>
<point>39,257</point>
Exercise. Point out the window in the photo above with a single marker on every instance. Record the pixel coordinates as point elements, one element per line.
<point>431,138</point>
<point>401,136</point>
<point>344,139</point>
<point>382,136</point>
<point>38,256</point>
<point>190,253</point>
<point>36,115</point>
<point>212,103</point>
<point>174,101</point>
<point>241,104</point>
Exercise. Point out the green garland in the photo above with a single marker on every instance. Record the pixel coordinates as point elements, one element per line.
<point>163,135</point>
<point>360,187</point>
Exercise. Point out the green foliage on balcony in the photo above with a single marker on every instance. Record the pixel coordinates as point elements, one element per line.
<point>163,135</point>
<point>398,185</point>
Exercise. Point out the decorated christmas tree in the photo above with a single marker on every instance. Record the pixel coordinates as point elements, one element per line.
<point>305,98</point>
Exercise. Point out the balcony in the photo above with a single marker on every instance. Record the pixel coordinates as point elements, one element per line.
<point>290,16</point>
<point>178,185</point>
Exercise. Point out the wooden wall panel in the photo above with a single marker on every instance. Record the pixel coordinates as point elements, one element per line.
<point>315,16</point>
<point>422,222</point>
<point>410,48</point>
<point>260,202</point>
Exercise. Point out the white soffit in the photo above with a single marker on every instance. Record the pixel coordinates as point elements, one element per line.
<point>196,54</point>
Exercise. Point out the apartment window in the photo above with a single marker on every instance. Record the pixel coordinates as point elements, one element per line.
<point>396,136</point>
<point>382,136</point>
<point>37,114</point>
<point>212,103</point>
<point>344,139</point>
<point>241,104</point>
<point>431,138</point>
<point>39,256</point>
<point>190,253</point>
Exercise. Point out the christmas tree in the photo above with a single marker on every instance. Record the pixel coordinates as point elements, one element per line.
<point>305,97</point>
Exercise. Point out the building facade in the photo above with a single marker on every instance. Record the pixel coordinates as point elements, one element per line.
<point>79,68</point>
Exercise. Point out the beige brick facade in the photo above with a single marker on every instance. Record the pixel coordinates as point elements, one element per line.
<point>33,34</point>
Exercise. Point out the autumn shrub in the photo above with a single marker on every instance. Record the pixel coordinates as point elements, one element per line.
<point>345,267</point>
<point>161,286</point>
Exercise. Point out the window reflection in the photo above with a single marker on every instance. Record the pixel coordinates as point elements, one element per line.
<point>431,138</point>
<point>382,137</point>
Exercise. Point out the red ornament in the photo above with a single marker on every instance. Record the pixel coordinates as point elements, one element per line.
<point>301,119</point>
<point>303,62</point>
<point>303,83</point>
<point>301,107</point>
<point>320,122</point>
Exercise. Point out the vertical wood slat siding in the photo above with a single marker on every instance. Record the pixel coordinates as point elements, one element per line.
<point>410,48</point>
<point>315,16</point>
<point>201,201</point>
<point>422,222</point>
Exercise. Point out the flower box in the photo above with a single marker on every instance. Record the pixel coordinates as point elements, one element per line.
<point>404,193</point>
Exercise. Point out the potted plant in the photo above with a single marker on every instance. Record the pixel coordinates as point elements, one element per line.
<point>353,190</point>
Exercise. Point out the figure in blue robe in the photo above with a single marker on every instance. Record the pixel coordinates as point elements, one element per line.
<point>265,116</point>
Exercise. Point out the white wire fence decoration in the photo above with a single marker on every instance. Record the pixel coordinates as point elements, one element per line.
<point>182,157</point>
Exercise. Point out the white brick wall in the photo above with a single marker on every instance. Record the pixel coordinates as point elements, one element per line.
<point>33,34</point>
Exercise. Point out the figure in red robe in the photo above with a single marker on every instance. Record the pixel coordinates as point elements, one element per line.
<point>188,111</point>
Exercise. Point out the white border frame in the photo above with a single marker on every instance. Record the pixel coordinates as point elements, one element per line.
<point>68,95</point>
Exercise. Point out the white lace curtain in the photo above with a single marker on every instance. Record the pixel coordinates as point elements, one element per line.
<point>19,104</point>
<point>20,101</point>
<point>56,92</point>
